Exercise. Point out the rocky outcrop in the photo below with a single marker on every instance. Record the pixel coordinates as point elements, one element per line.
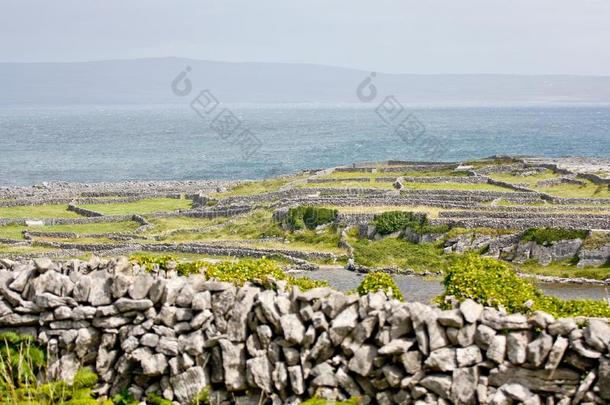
<point>176,336</point>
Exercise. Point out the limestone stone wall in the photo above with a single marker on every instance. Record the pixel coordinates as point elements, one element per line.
<point>158,332</point>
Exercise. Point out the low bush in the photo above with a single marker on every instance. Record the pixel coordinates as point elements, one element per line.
<point>393,221</point>
<point>22,361</point>
<point>261,270</point>
<point>545,236</point>
<point>150,262</point>
<point>379,281</point>
<point>399,253</point>
<point>309,217</point>
<point>493,283</point>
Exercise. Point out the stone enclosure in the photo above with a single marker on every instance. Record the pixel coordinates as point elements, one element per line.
<point>178,336</point>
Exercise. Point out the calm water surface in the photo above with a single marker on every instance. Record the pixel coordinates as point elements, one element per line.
<point>172,142</point>
<point>424,290</point>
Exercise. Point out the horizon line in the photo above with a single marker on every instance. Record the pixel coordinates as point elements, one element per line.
<point>306,64</point>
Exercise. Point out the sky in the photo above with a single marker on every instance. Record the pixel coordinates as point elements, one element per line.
<point>398,36</point>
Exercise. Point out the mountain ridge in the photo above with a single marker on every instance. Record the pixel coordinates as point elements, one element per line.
<point>148,81</point>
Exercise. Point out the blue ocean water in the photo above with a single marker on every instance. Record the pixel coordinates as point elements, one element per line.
<point>159,142</point>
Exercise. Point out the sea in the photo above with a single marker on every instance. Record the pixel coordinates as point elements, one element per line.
<point>94,143</point>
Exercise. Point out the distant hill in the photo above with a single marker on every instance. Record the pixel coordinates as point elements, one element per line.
<point>144,81</point>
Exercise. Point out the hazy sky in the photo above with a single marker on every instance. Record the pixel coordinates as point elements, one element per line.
<point>406,36</point>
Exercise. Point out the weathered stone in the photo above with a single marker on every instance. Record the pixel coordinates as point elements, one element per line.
<point>150,340</point>
<point>436,333</point>
<point>556,354</point>
<point>538,349</point>
<point>279,376</point>
<point>112,322</point>
<point>443,359</point>
<point>267,304</point>
<point>603,382</point>
<point>362,361</point>
<point>412,361</point>
<point>516,347</point>
<point>152,364</point>
<point>191,343</point>
<point>580,348</point>
<point>243,305</point>
<point>465,335</point>
<point>497,349</point>
<point>294,331</point>
<point>201,318</point>
<point>562,327</point>
<point>21,279</point>
<point>516,391</point>
<point>536,380</point>
<point>440,384</point>
<point>100,292</point>
<point>396,346</point>
<point>499,321</point>
<point>464,385</point>
<point>483,336</point>
<point>471,310</point>
<point>468,356</point>
<point>343,324</point>
<point>259,369</point>
<point>201,301</point>
<point>541,319</point>
<point>234,364</point>
<point>43,264</point>
<point>121,284</point>
<point>452,318</point>
<point>597,335</point>
<point>125,304</point>
<point>187,385</point>
<point>223,302</point>
<point>185,298</point>
<point>584,387</point>
<point>167,315</point>
<point>297,383</point>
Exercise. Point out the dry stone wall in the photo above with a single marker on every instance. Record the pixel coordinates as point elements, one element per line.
<point>158,332</point>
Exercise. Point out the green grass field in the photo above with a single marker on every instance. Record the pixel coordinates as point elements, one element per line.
<point>529,180</point>
<point>37,211</point>
<point>564,269</point>
<point>13,231</point>
<point>392,252</point>
<point>350,184</point>
<point>147,206</point>
<point>456,186</point>
<point>589,190</point>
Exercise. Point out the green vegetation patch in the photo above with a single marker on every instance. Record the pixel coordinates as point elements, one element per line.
<point>309,217</point>
<point>545,236</point>
<point>457,186</point>
<point>596,240</point>
<point>257,224</point>
<point>260,270</point>
<point>401,254</point>
<point>393,221</point>
<point>22,361</point>
<point>529,180</point>
<point>493,283</point>
<point>37,212</point>
<point>236,272</point>
<point>14,231</point>
<point>258,187</point>
<point>94,228</point>
<point>379,281</point>
<point>147,206</point>
<point>565,269</point>
<point>587,190</point>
